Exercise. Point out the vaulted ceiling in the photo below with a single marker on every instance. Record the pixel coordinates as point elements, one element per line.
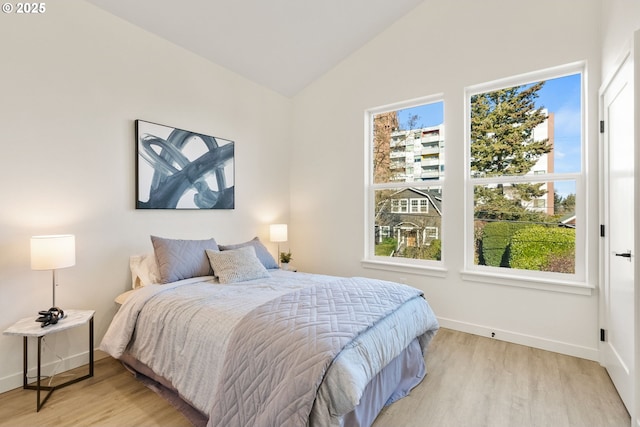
<point>281,44</point>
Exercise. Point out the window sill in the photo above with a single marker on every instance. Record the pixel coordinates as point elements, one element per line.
<point>405,267</point>
<point>562,286</point>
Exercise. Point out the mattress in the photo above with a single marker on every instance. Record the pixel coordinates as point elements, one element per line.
<point>183,332</point>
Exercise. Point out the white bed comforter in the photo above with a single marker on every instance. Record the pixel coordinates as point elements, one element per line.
<point>184,361</point>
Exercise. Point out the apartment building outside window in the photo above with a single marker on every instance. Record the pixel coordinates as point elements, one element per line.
<point>404,219</point>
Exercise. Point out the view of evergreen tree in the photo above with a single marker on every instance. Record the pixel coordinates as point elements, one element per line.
<point>502,124</point>
<point>564,205</point>
<point>502,144</point>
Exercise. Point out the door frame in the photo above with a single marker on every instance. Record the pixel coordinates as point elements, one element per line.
<point>629,52</point>
<point>635,52</point>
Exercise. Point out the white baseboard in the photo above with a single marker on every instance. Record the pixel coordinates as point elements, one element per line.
<point>522,339</point>
<point>11,382</point>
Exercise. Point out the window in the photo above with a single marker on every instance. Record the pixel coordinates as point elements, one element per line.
<point>431,232</point>
<point>525,179</point>
<point>539,203</point>
<point>383,232</point>
<point>420,205</point>
<point>405,191</point>
<point>399,205</point>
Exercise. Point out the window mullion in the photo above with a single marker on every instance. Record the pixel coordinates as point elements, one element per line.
<point>517,179</point>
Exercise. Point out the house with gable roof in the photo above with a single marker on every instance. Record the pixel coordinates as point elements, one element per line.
<point>411,216</point>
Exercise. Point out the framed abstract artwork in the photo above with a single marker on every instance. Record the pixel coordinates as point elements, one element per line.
<point>180,169</point>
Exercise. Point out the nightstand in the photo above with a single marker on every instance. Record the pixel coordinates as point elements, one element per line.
<point>28,327</point>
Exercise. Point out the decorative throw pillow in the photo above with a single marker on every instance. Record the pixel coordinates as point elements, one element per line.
<point>144,270</point>
<point>237,265</point>
<point>261,252</point>
<point>182,259</point>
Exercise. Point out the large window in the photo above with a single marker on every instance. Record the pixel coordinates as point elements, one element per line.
<point>404,219</point>
<point>525,180</point>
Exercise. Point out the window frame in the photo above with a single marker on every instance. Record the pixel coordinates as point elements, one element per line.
<point>404,265</point>
<point>433,232</point>
<point>422,205</point>
<point>565,282</point>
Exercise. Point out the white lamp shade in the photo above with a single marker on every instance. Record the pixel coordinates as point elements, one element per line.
<point>52,252</point>
<point>278,232</point>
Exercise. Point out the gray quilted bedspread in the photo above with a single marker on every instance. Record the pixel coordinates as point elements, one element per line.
<point>205,339</point>
<point>273,382</point>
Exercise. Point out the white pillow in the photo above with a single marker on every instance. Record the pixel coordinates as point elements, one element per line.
<point>236,265</point>
<point>144,270</point>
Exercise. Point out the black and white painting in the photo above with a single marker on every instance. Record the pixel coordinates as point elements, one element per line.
<point>179,169</point>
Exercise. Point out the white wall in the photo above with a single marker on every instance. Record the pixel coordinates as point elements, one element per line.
<point>73,81</point>
<point>620,18</point>
<point>442,47</point>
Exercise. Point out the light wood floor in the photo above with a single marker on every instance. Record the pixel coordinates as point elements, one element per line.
<point>480,382</point>
<point>472,382</point>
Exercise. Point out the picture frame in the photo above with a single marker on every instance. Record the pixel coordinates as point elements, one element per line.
<point>181,169</point>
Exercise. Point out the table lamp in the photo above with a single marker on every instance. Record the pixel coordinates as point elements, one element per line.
<point>51,253</point>
<point>278,233</point>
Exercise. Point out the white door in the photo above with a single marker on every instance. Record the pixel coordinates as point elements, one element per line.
<point>618,286</point>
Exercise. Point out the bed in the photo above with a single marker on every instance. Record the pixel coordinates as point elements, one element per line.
<point>232,340</point>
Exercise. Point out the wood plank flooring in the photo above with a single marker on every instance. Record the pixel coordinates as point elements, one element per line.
<point>472,382</point>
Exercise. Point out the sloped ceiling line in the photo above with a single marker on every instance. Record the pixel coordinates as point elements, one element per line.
<point>281,44</point>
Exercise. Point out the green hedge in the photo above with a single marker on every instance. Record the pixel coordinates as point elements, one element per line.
<point>543,249</point>
<point>386,247</point>
<point>496,237</point>
<point>431,252</point>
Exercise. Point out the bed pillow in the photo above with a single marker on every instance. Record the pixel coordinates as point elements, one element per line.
<point>261,252</point>
<point>237,265</point>
<point>182,259</point>
<point>144,270</point>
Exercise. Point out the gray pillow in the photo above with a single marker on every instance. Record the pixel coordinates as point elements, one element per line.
<point>261,252</point>
<point>237,265</point>
<point>182,259</point>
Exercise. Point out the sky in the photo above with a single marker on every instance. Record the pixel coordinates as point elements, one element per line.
<point>561,96</point>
